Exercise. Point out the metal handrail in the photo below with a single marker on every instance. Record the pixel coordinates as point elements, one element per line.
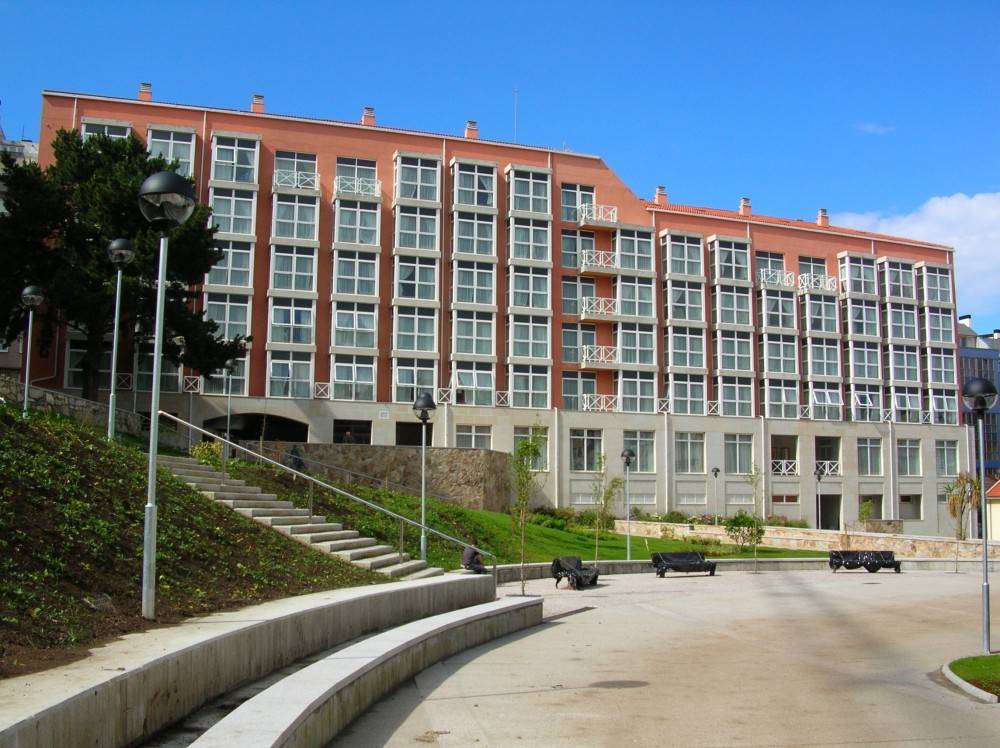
<point>317,482</point>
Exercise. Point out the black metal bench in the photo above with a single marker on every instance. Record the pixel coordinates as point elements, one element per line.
<point>870,560</point>
<point>685,561</point>
<point>572,568</point>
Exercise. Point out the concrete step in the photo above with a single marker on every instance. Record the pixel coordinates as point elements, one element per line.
<point>378,563</point>
<point>300,517</point>
<point>430,571</point>
<point>216,484</point>
<point>328,535</point>
<point>368,551</point>
<point>258,512</point>
<point>309,529</point>
<point>256,504</point>
<point>399,570</point>
<point>349,544</point>
<point>228,495</point>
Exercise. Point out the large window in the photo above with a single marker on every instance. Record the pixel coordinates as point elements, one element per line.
<point>540,434</point>
<point>292,268</point>
<point>529,287</point>
<point>416,277</point>
<point>292,321</point>
<point>295,217</point>
<point>637,391</point>
<point>113,131</point>
<point>866,360</point>
<point>869,456</point>
<point>472,437</point>
<point>415,328</point>
<point>416,228</point>
<point>475,185</point>
<point>357,222</point>
<point>356,176</point>
<point>474,234</point>
<point>474,333</point>
<point>574,338</point>
<point>902,322</point>
<point>643,443</point>
<point>636,343</point>
<point>233,211</point>
<point>295,170</point>
<point>908,451</point>
<point>898,280</point>
<point>170,373</point>
<point>737,396</point>
<point>858,275</point>
<point>473,383</point>
<point>904,364</point>
<point>530,191</point>
<point>573,196</point>
<point>862,317</point>
<point>937,285</point>
<point>289,374</point>
<point>586,450</point>
<point>529,336</point>
<point>732,260</point>
<point>779,309</point>
<point>230,311</point>
<point>734,350</point>
<point>734,305</point>
<point>355,273</point>
<point>689,452</point>
<point>635,249</point>
<point>826,401</point>
<point>173,146</point>
<point>781,354</point>
<point>781,398</point>
<point>354,378</point>
<point>940,326</point>
<point>417,178</point>
<point>529,386</point>
<point>687,395</point>
<point>574,290</point>
<point>687,301</point>
<point>946,458</point>
<point>235,160</point>
<point>821,314</point>
<point>738,453</point>
<point>685,256</point>
<point>635,296</point>
<point>687,347</point>
<point>354,325</point>
<point>474,283</point>
<point>411,377</point>
<point>824,357</point>
<point>233,268</point>
<point>576,244</point>
<point>529,239</point>
<point>575,385</point>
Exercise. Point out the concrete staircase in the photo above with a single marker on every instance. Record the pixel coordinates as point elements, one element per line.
<point>326,537</point>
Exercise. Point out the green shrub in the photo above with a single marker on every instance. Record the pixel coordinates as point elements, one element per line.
<point>207,453</point>
<point>744,529</point>
<point>676,517</point>
<point>780,520</point>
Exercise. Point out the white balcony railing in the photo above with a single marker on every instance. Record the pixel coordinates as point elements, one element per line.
<point>603,403</point>
<point>191,385</point>
<point>357,186</point>
<point>829,467</point>
<point>784,467</point>
<point>600,354</point>
<point>593,258</point>
<point>321,390</point>
<point>776,278</point>
<point>296,179</point>
<point>817,282</point>
<point>597,214</point>
<point>600,305</point>
<point>663,405</point>
<point>502,399</point>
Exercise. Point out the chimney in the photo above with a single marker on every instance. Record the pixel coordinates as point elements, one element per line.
<point>965,319</point>
<point>145,92</point>
<point>471,129</point>
<point>368,116</point>
<point>257,106</point>
<point>996,334</point>
<point>745,206</point>
<point>822,219</point>
<point>661,195</point>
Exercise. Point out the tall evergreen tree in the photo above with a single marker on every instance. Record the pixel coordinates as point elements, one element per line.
<point>55,234</point>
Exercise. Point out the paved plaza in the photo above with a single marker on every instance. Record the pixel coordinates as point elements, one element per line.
<point>790,658</point>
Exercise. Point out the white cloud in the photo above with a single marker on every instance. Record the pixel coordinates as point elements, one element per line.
<point>874,128</point>
<point>969,224</point>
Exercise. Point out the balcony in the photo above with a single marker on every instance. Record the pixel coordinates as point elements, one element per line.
<point>357,186</point>
<point>781,278</point>
<point>598,306</point>
<point>598,216</point>
<point>817,282</point>
<point>784,467</point>
<point>291,179</point>
<point>597,355</point>
<point>599,403</point>
<point>830,468</point>
<point>594,261</point>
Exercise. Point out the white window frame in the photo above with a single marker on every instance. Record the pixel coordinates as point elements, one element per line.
<point>235,267</point>
<point>355,325</point>
<point>357,223</point>
<point>234,159</point>
<point>529,336</point>
<point>529,287</point>
<point>475,283</point>
<point>293,268</point>
<point>416,278</point>
<point>529,191</point>
<point>226,310</point>
<point>472,436</point>
<point>686,254</point>
<point>299,369</point>
<point>474,333</point>
<point>475,234</point>
<point>236,209</point>
<point>415,329</point>
<point>412,376</point>
<point>529,386</point>
<point>355,273</point>
<point>417,178</point>
<point>416,228</point>
<point>172,145</point>
<point>292,321</point>
<point>689,453</point>
<point>353,378</point>
<point>475,184</point>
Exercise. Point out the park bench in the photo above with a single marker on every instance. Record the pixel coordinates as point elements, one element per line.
<point>870,560</point>
<point>572,568</point>
<point>685,561</point>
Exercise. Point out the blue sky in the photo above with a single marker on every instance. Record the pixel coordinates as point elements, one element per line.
<point>885,113</point>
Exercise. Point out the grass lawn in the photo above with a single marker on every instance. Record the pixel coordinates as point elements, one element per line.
<point>982,672</point>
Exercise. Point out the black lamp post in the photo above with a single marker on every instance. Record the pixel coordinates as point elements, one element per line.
<point>715,474</point>
<point>980,395</point>
<point>628,456</point>
<point>819,477</point>
<point>31,297</point>
<point>120,252</point>
<point>423,409</point>
<point>166,200</point>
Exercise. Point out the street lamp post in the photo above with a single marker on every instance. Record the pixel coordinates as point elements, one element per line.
<point>31,297</point>
<point>715,474</point>
<point>228,368</point>
<point>120,252</point>
<point>980,395</point>
<point>819,477</point>
<point>628,456</point>
<point>423,409</point>
<point>166,200</point>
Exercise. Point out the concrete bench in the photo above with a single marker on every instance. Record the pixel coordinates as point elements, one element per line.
<point>685,561</point>
<point>309,707</point>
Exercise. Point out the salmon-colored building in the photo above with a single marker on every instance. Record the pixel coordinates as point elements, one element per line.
<point>530,291</point>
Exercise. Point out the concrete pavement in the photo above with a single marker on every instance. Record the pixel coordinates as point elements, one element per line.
<point>791,658</point>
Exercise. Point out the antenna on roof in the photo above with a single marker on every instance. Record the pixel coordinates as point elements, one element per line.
<point>515,114</point>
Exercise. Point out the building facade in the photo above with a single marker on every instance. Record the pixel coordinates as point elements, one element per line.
<point>531,292</point>
<point>979,357</point>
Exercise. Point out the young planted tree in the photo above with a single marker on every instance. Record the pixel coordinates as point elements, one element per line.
<point>753,478</point>
<point>524,463</point>
<point>745,530</point>
<point>55,234</point>
<point>605,491</point>
<point>963,495</point>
